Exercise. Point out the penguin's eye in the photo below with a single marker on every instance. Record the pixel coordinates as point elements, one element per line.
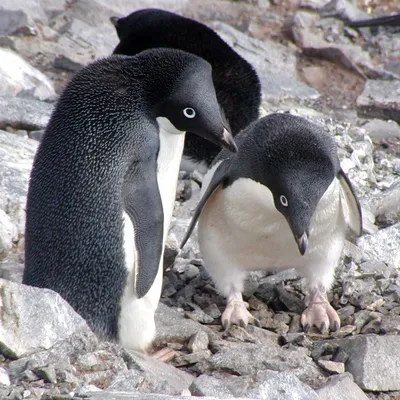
<point>284,201</point>
<point>189,112</point>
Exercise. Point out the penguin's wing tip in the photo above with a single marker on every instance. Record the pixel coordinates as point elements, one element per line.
<point>220,173</point>
<point>354,214</point>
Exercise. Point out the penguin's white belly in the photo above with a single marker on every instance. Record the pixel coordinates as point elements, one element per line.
<point>240,228</point>
<point>136,322</point>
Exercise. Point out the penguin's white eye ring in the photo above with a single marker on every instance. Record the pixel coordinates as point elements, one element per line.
<point>189,112</point>
<point>284,201</point>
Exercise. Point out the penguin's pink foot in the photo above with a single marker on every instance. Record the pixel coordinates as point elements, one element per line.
<point>319,313</point>
<point>236,313</point>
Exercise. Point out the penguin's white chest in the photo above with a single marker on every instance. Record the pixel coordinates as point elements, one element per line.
<point>243,223</point>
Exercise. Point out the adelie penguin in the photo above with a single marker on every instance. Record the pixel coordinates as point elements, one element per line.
<point>103,183</point>
<point>236,82</point>
<point>281,202</point>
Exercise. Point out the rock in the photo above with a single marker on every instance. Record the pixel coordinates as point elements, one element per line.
<point>150,376</point>
<point>24,113</point>
<point>19,77</point>
<point>106,395</point>
<point>33,8</point>
<point>283,386</point>
<point>369,355</point>
<point>386,205</point>
<point>16,158</point>
<point>248,359</point>
<point>58,356</point>
<point>345,9</point>
<point>171,250</point>
<point>44,318</point>
<point>12,21</point>
<point>380,99</point>
<point>331,366</point>
<point>325,39</point>
<point>383,245</point>
<point>341,387</point>
<point>198,342</point>
<point>172,326</point>
<point>4,377</point>
<point>379,129</point>
<point>275,65</point>
<point>8,233</point>
<point>206,385</point>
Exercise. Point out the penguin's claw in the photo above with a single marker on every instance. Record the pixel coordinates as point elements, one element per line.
<point>236,314</point>
<point>319,313</point>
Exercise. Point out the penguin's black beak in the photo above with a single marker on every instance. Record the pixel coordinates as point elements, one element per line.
<point>302,243</point>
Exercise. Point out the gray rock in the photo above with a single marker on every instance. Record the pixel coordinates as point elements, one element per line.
<point>171,250</point>
<point>150,376</point>
<point>198,342</point>
<point>383,245</point>
<point>59,356</point>
<point>342,8</point>
<point>385,205</point>
<point>247,359</point>
<point>274,63</point>
<point>173,326</point>
<point>24,113</point>
<point>105,395</point>
<point>32,8</point>
<point>369,355</point>
<point>43,319</point>
<point>4,377</point>
<point>17,76</point>
<point>206,385</point>
<point>341,387</point>
<point>16,158</point>
<point>12,21</point>
<point>380,99</point>
<point>379,129</point>
<point>324,38</point>
<point>283,386</point>
<point>331,366</point>
<point>8,233</point>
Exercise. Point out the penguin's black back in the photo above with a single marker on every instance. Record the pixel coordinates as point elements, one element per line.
<point>236,82</point>
<point>98,130</point>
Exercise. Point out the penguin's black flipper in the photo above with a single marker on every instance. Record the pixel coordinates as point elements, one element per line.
<point>220,174</point>
<point>147,218</point>
<point>388,20</point>
<point>351,202</point>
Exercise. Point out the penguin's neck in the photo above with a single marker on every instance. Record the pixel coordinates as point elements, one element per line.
<point>168,160</point>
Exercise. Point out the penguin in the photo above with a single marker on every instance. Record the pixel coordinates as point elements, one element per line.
<point>282,201</point>
<point>103,185</point>
<point>236,82</point>
<point>386,20</point>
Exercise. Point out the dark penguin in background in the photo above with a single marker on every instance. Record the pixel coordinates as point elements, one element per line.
<point>236,82</point>
<point>103,184</point>
<point>387,20</point>
<point>281,202</point>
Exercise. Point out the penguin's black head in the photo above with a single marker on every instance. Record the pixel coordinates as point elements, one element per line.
<point>297,160</point>
<point>192,106</point>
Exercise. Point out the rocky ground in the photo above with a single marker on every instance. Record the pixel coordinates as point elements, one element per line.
<point>309,63</point>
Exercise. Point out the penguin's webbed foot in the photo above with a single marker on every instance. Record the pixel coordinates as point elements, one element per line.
<point>236,313</point>
<point>319,313</point>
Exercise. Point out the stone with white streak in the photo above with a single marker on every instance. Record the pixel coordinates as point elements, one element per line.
<point>17,76</point>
